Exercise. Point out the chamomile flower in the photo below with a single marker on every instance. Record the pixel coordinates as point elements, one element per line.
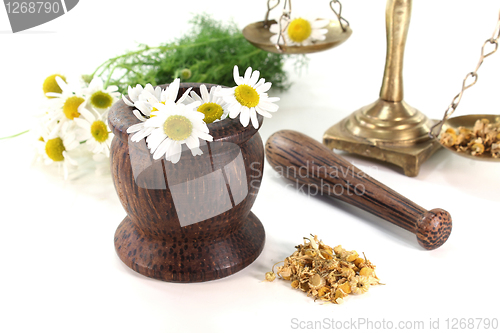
<point>212,106</point>
<point>300,31</point>
<point>58,149</point>
<point>95,132</point>
<point>50,85</point>
<point>249,97</point>
<point>98,97</point>
<point>63,107</point>
<point>359,284</point>
<point>136,94</point>
<point>169,94</point>
<point>174,125</point>
<point>145,106</point>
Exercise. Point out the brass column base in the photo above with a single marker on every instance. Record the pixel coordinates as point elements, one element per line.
<point>410,157</point>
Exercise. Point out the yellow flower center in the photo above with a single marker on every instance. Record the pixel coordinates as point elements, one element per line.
<point>50,85</point>
<point>178,127</point>
<point>54,149</point>
<point>70,107</point>
<point>299,30</point>
<point>212,112</point>
<point>153,110</point>
<point>99,131</point>
<point>101,100</point>
<point>247,96</point>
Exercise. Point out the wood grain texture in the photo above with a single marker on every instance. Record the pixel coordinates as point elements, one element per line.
<point>189,221</point>
<point>308,163</point>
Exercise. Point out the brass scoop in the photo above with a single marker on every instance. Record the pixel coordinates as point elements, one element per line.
<point>468,121</point>
<point>258,33</point>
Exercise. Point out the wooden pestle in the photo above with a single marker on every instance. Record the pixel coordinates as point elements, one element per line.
<point>309,163</point>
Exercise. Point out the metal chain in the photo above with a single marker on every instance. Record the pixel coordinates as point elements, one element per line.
<point>470,79</point>
<point>286,17</point>
<point>338,13</point>
<point>269,8</point>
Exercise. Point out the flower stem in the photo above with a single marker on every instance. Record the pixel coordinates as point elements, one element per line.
<point>13,136</point>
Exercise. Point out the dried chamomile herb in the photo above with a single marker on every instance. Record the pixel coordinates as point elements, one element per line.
<point>326,273</point>
<point>483,139</point>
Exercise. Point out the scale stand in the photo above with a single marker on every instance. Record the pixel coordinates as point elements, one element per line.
<point>388,129</point>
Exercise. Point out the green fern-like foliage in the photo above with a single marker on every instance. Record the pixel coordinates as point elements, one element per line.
<point>207,53</point>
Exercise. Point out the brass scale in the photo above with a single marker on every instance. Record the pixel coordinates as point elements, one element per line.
<point>388,129</point>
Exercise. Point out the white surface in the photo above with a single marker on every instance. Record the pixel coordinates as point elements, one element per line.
<point>59,270</point>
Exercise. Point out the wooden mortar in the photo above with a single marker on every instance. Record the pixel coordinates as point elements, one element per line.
<point>189,221</point>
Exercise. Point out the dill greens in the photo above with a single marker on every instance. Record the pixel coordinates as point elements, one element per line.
<point>209,50</point>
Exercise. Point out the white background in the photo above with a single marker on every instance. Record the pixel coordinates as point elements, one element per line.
<point>59,271</point>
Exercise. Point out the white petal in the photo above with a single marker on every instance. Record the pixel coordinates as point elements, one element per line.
<point>193,106</point>
<point>319,38</point>
<point>135,128</point>
<point>195,96</point>
<point>188,100</point>
<point>254,78</point>
<point>272,99</point>
<point>86,113</point>
<point>225,92</point>
<point>144,107</point>
<point>157,121</point>
<point>111,89</point>
<point>155,139</point>
<point>253,118</point>
<point>174,153</point>
<point>260,83</point>
<point>204,93</point>
<point>172,90</point>
<point>248,75</point>
<point>245,116</point>
<point>96,84</point>
<point>83,124</point>
<point>69,159</point>
<point>196,151</point>
<point>61,83</point>
<point>106,150</point>
<point>203,135</point>
<point>319,23</point>
<point>274,28</point>
<point>192,142</point>
<point>234,110</point>
<point>263,88</point>
<point>141,134</point>
<point>162,149</point>
<point>126,100</point>
<point>52,94</point>
<point>263,112</point>
<point>267,106</point>
<point>183,97</point>
<point>236,74</point>
<point>139,116</point>
<point>157,92</point>
<point>134,93</point>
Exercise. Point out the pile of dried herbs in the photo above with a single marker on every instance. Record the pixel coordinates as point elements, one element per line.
<point>325,273</point>
<point>207,53</point>
<point>482,140</point>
